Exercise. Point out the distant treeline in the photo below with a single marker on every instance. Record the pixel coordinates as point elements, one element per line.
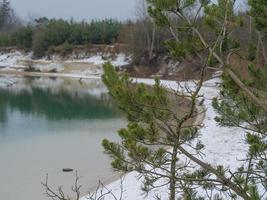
<point>44,34</point>
<point>145,41</point>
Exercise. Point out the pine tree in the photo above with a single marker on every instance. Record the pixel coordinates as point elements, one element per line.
<point>236,110</point>
<point>258,12</point>
<point>154,125</point>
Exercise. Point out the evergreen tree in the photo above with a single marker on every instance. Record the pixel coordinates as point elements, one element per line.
<point>258,12</point>
<point>154,124</point>
<point>236,110</point>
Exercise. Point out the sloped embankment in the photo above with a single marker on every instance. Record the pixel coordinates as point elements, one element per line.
<point>80,62</point>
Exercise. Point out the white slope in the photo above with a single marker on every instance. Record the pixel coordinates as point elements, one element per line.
<point>19,61</point>
<point>99,59</point>
<point>10,60</point>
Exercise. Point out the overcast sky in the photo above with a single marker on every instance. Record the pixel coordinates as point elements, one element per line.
<point>79,9</point>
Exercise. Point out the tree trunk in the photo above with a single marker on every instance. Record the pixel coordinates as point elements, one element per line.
<point>263,49</point>
<point>233,76</point>
<point>258,50</point>
<point>152,42</point>
<point>173,173</point>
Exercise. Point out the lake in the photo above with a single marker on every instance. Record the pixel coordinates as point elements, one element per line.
<point>50,124</point>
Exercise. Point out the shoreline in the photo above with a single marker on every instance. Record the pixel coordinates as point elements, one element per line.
<point>48,74</point>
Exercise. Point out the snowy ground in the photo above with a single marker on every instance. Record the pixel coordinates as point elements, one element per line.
<point>10,60</point>
<point>225,146</point>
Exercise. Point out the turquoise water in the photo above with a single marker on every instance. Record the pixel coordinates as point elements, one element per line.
<point>50,124</point>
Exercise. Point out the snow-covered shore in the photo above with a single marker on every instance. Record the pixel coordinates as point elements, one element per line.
<point>86,65</point>
<point>223,146</point>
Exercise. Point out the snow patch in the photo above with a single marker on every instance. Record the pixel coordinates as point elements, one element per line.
<point>8,60</point>
<point>99,59</point>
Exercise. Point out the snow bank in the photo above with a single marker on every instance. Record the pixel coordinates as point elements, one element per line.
<point>19,61</point>
<point>120,59</point>
<point>10,60</point>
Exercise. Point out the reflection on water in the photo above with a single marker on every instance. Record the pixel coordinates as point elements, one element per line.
<point>62,105</point>
<point>77,103</point>
<point>49,124</point>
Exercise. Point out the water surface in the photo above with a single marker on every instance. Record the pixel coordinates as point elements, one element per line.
<point>50,124</point>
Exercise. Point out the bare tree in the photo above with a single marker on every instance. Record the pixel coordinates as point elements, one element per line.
<point>101,192</point>
<point>148,26</point>
<point>8,19</point>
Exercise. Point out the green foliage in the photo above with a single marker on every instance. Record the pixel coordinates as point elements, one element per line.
<point>256,145</point>
<point>189,46</point>
<point>5,40</point>
<point>148,112</point>
<point>104,32</point>
<point>153,126</point>
<point>216,13</point>
<point>40,45</point>
<point>259,13</point>
<point>222,13</point>
<point>236,110</point>
<point>188,134</point>
<point>20,38</point>
<point>190,194</point>
<point>160,18</point>
<point>258,77</point>
<point>46,33</point>
<point>59,32</point>
<point>130,99</point>
<point>151,121</point>
<point>252,52</point>
<point>185,44</point>
<point>254,193</point>
<point>176,49</point>
<point>159,9</point>
<point>23,37</point>
<point>55,32</point>
<point>234,107</point>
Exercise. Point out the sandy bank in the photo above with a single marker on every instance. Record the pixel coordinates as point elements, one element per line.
<point>42,74</point>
